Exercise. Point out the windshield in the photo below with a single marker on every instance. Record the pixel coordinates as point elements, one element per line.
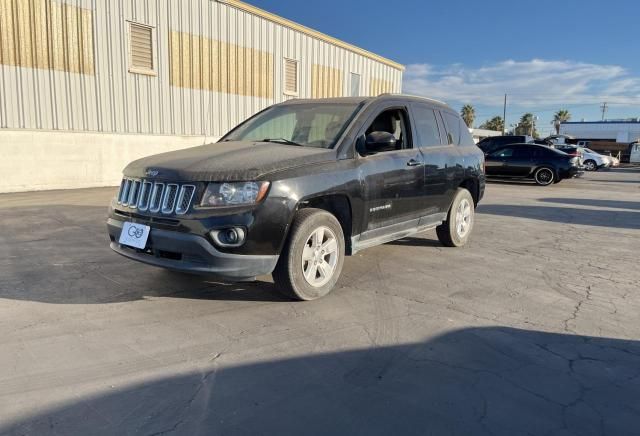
<point>307,124</point>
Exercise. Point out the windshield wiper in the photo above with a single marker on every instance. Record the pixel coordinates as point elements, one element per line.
<point>282,140</point>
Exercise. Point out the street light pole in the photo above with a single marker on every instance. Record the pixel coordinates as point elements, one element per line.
<point>504,115</point>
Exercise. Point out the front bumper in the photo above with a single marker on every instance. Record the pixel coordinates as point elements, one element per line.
<point>191,253</point>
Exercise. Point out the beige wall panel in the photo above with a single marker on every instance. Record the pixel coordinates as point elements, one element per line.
<point>203,63</point>
<point>326,81</point>
<point>381,86</point>
<point>47,35</point>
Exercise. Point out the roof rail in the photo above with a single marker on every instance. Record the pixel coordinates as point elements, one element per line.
<point>400,94</point>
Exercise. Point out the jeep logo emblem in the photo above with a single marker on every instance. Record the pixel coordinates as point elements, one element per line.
<point>151,173</point>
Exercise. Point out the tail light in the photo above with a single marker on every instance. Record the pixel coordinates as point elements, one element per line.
<point>575,161</point>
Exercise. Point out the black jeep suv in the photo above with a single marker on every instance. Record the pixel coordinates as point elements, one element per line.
<point>298,186</point>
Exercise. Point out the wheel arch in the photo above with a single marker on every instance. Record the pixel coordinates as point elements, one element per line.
<point>339,205</point>
<point>472,185</point>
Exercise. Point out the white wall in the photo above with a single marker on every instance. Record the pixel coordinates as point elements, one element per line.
<point>33,160</point>
<point>619,132</point>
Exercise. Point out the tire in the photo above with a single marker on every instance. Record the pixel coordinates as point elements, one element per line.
<point>590,165</point>
<point>453,232</point>
<point>304,279</point>
<point>544,176</point>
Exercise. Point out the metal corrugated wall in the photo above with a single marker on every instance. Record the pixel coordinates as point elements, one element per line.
<point>40,92</point>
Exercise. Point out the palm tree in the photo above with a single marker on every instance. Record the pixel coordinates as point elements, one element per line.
<point>495,123</point>
<point>468,114</point>
<point>527,125</point>
<point>560,117</point>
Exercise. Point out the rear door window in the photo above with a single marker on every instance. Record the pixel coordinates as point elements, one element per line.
<point>426,125</point>
<point>503,152</point>
<point>522,153</point>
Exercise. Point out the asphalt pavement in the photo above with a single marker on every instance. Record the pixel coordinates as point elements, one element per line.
<point>533,329</point>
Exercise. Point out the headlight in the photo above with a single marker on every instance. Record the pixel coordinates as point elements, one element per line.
<point>234,193</point>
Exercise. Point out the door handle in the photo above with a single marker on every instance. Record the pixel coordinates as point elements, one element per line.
<point>414,163</point>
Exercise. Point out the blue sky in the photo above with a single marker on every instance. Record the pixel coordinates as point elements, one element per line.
<point>545,54</point>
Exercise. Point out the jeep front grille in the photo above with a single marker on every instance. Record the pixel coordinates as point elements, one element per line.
<point>156,197</point>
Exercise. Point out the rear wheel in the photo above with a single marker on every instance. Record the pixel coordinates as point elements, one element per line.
<point>590,165</point>
<point>311,262</point>
<point>544,176</point>
<point>455,231</point>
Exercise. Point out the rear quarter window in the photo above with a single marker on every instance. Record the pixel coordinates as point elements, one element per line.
<point>452,123</point>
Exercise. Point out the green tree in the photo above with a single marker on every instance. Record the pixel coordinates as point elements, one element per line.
<point>527,125</point>
<point>468,114</point>
<point>495,123</point>
<point>560,117</point>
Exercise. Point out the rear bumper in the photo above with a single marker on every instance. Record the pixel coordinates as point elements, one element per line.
<point>572,172</point>
<point>191,253</point>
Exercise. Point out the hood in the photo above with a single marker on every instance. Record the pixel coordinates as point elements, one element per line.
<point>226,161</point>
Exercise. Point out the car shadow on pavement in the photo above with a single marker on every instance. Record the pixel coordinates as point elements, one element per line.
<point>498,181</point>
<point>90,288</point>
<point>415,242</point>
<point>566,215</point>
<point>60,254</point>
<point>474,381</point>
<point>612,204</point>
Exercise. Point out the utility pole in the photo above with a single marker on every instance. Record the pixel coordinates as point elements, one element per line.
<point>604,108</point>
<point>504,115</point>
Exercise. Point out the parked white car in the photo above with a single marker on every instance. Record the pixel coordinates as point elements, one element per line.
<point>593,161</point>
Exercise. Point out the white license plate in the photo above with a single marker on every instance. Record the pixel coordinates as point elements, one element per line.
<point>134,235</point>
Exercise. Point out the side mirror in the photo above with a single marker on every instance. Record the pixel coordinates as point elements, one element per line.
<point>377,142</point>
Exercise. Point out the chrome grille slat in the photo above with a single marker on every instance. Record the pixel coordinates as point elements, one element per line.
<point>184,199</point>
<point>125,193</point>
<point>145,194</point>
<point>121,190</point>
<point>156,197</point>
<point>169,198</point>
<point>134,190</point>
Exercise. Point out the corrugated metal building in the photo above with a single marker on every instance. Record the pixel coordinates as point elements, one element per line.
<point>88,85</point>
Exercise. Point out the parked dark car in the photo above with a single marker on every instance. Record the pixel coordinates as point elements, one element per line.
<point>298,186</point>
<point>487,145</point>
<point>543,164</point>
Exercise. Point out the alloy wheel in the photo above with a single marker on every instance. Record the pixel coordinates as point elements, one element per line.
<point>463,218</point>
<point>544,176</point>
<point>320,257</point>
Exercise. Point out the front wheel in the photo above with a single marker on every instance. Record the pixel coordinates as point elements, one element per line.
<point>311,262</point>
<point>590,165</point>
<point>455,231</point>
<point>544,176</point>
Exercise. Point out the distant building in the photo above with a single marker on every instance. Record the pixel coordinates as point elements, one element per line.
<point>621,131</point>
<point>610,136</point>
<point>87,86</point>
